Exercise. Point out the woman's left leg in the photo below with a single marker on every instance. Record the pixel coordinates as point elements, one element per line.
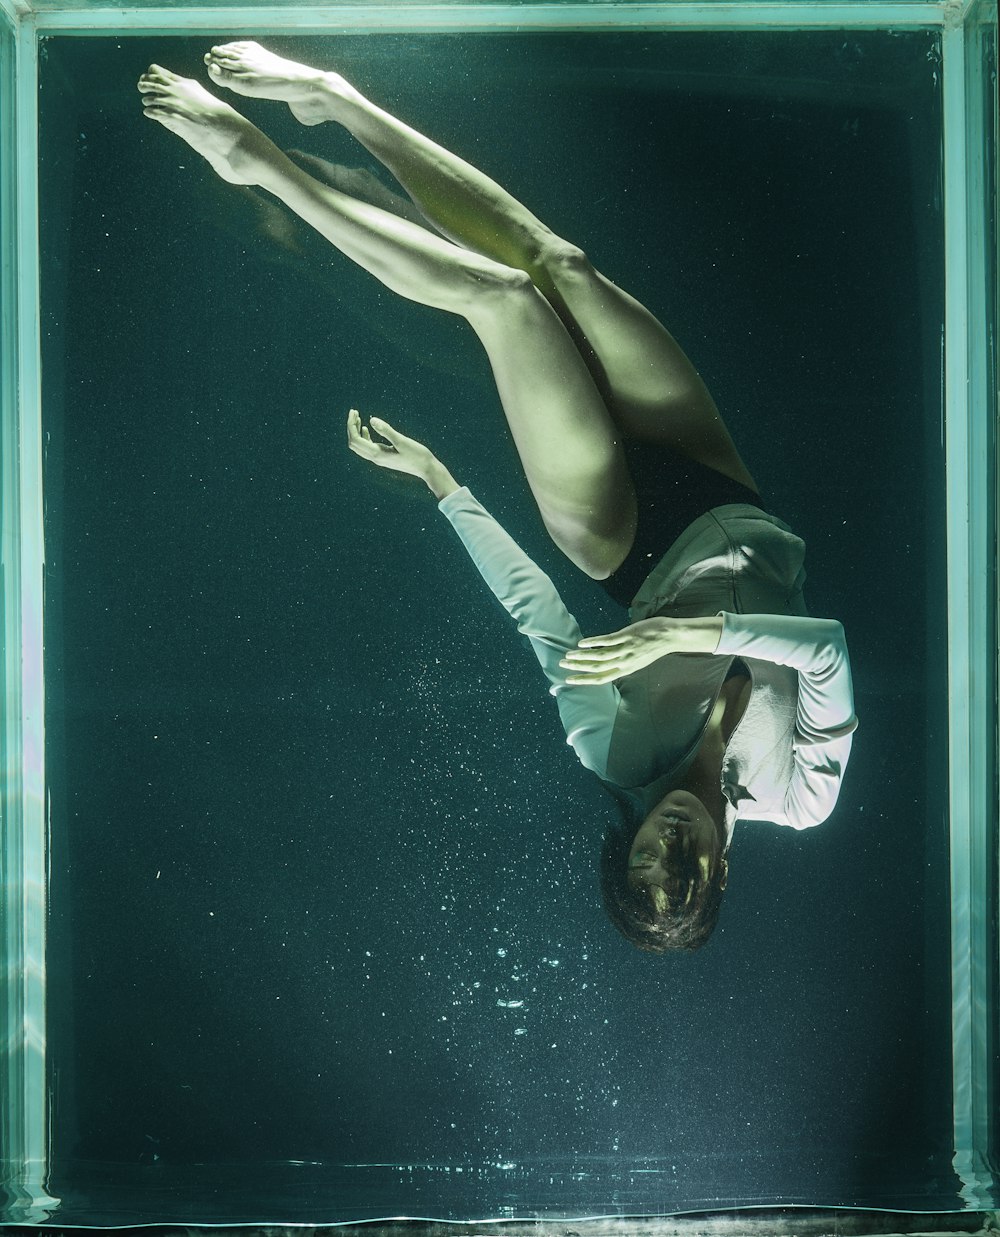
<point>568,444</point>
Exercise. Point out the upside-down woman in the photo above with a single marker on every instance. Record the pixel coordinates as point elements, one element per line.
<point>721,699</point>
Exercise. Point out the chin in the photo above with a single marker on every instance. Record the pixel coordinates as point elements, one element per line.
<point>684,798</point>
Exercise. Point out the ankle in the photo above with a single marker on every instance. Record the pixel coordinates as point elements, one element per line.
<point>335,95</point>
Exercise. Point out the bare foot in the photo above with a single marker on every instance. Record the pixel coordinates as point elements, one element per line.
<point>237,150</point>
<point>250,69</point>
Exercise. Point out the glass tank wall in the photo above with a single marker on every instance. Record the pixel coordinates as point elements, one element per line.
<point>325,935</point>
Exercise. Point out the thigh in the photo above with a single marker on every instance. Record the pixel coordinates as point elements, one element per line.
<point>569,444</point>
<point>648,383</point>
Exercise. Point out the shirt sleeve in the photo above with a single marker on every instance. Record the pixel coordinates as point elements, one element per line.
<point>530,597</point>
<point>825,721</point>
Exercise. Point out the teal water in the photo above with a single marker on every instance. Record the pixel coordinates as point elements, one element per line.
<point>324,873</point>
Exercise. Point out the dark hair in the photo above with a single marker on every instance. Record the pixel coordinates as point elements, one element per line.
<point>686,926</point>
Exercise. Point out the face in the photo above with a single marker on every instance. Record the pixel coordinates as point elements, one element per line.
<point>677,835</point>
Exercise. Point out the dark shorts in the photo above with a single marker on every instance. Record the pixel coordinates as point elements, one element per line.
<point>672,491</point>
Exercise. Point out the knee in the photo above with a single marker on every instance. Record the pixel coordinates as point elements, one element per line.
<point>560,260</point>
<point>493,282</point>
<point>597,556</point>
<point>512,281</point>
<point>547,264</point>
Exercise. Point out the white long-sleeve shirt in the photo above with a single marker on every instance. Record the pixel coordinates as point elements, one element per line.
<point>786,758</point>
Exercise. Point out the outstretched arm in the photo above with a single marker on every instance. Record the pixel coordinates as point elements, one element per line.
<point>531,599</point>
<point>523,589</point>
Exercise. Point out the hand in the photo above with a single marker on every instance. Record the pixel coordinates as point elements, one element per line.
<point>601,659</point>
<point>402,454</point>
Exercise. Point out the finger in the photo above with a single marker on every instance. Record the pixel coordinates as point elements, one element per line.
<point>385,429</point>
<point>357,436</point>
<point>609,641</point>
<point>604,667</point>
<point>392,434</point>
<point>575,658</point>
<point>356,432</point>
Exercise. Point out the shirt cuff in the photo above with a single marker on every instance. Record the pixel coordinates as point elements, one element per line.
<point>454,499</point>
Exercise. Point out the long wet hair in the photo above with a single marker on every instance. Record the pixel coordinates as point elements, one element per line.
<point>675,927</point>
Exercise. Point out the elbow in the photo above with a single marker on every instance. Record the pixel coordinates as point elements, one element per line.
<point>832,653</point>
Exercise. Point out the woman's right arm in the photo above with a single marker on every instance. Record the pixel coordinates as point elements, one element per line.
<point>524,590</point>
<point>532,600</point>
<point>399,453</point>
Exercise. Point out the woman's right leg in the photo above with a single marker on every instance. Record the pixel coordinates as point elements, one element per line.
<point>648,384</point>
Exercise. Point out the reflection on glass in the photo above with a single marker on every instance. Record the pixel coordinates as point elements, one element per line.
<point>721,699</point>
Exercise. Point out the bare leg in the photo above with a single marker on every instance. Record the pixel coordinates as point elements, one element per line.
<point>358,183</point>
<point>648,384</point>
<point>566,439</point>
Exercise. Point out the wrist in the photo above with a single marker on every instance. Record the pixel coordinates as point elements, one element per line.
<point>439,480</point>
<point>698,635</point>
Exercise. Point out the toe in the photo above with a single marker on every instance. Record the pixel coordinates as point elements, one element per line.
<point>157,90</point>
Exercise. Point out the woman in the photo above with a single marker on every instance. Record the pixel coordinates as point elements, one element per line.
<point>720,699</point>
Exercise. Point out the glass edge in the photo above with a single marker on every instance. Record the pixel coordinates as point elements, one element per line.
<point>986,84</point>
<point>591,14</point>
<point>972,649</point>
<point>23,849</point>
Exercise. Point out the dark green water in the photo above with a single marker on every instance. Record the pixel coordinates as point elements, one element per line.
<point>324,874</point>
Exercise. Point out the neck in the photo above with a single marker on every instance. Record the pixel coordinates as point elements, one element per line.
<point>704,774</point>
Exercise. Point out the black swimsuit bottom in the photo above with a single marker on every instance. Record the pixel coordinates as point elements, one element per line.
<point>671,491</point>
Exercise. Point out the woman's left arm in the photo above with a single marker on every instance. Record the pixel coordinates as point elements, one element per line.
<point>602,659</point>
<point>824,719</point>
<point>816,648</point>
